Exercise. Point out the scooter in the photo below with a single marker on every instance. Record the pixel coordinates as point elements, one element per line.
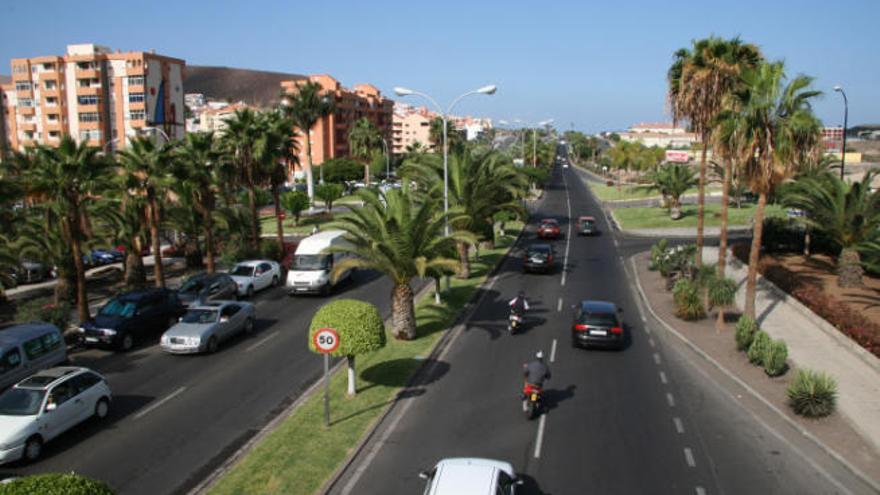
<point>532,401</point>
<point>514,321</point>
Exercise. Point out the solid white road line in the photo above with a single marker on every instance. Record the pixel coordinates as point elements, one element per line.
<point>656,358</point>
<point>158,404</point>
<point>679,426</point>
<point>559,304</point>
<point>663,378</point>
<point>261,341</point>
<point>540,439</point>
<point>568,234</point>
<point>670,399</point>
<point>553,351</point>
<point>689,457</point>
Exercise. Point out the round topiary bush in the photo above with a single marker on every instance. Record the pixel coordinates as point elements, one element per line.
<point>55,484</point>
<point>759,347</point>
<point>774,358</point>
<point>745,332</point>
<point>812,394</point>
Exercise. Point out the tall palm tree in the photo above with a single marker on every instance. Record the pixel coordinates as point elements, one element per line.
<point>242,131</point>
<point>197,163</point>
<point>305,108</point>
<point>275,150</point>
<point>40,238</point>
<point>672,181</point>
<point>398,236</point>
<point>70,178</point>
<point>779,126</point>
<point>699,81</point>
<point>364,140</point>
<point>146,170</point>
<point>8,264</point>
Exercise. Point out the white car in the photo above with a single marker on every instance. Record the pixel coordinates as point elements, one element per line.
<point>471,476</point>
<point>45,405</point>
<point>255,275</point>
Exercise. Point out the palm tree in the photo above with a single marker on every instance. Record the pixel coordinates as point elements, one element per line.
<point>197,164</point>
<point>364,140</point>
<point>242,131</point>
<point>401,238</point>
<point>672,181</point>
<point>454,139</point>
<point>779,127</point>
<point>41,239</point>
<point>70,178</point>
<point>275,149</point>
<point>699,81</point>
<point>8,264</point>
<point>146,170</point>
<point>305,108</point>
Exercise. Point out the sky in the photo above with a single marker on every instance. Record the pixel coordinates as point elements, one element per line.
<point>588,65</point>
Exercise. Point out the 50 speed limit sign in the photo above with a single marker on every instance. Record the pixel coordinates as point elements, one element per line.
<point>326,340</point>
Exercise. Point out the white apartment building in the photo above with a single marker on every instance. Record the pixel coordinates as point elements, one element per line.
<point>660,134</point>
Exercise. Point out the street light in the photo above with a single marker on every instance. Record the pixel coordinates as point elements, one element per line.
<point>159,130</point>
<point>387,160</point>
<point>845,117</point>
<point>485,90</point>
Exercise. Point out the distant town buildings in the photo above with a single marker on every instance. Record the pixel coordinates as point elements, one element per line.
<point>93,94</point>
<point>212,117</point>
<point>660,134</point>
<point>411,125</point>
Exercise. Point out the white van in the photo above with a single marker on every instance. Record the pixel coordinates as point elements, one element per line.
<point>310,270</point>
<point>28,348</point>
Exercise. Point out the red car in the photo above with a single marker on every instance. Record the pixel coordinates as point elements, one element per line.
<point>548,229</point>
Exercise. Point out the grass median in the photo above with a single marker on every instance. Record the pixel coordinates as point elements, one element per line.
<point>658,218</point>
<point>301,454</point>
<point>611,193</point>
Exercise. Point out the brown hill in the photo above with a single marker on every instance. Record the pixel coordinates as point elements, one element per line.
<point>254,87</point>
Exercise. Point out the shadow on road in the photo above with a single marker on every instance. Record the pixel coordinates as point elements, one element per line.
<point>529,486</point>
<point>552,396</point>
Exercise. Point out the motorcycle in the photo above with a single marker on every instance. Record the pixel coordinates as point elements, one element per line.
<point>531,401</point>
<point>514,321</point>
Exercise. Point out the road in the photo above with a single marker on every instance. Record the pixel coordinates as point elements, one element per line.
<point>175,418</point>
<point>646,419</point>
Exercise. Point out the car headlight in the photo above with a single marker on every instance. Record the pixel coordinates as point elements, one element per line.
<point>108,332</point>
<point>80,329</point>
<point>193,340</point>
<point>164,339</point>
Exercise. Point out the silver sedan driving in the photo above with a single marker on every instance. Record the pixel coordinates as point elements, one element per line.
<point>202,328</point>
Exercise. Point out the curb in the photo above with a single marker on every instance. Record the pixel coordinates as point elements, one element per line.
<point>830,452</point>
<point>682,235</point>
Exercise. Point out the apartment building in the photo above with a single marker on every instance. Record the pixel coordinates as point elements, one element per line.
<point>661,134</point>
<point>329,136</point>
<point>410,126</point>
<point>7,116</point>
<point>95,95</point>
<point>209,119</point>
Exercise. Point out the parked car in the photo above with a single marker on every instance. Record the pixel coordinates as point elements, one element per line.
<point>31,272</point>
<point>311,267</point>
<point>255,275</point>
<point>586,225</point>
<point>597,323</point>
<point>549,229</point>
<point>130,317</point>
<point>45,405</point>
<point>205,287</point>
<point>27,348</point>
<point>145,250</point>
<point>539,258</point>
<point>202,328</point>
<point>106,256</point>
<point>471,476</point>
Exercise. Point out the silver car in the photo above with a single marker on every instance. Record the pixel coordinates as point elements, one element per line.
<point>203,327</point>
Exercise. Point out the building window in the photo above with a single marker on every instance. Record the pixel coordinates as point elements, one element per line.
<point>137,115</point>
<point>54,135</point>
<point>26,103</point>
<point>136,98</point>
<point>89,83</point>
<point>90,134</point>
<point>87,65</point>
<point>135,80</point>
<point>52,117</point>
<point>51,101</point>
<point>88,99</point>
<point>89,117</point>
<point>23,86</point>
<point>48,66</point>
<point>19,69</point>
<point>51,84</point>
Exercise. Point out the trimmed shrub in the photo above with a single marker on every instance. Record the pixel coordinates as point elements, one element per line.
<point>759,347</point>
<point>295,202</point>
<point>55,484</point>
<point>43,309</point>
<point>722,292</point>
<point>812,394</point>
<point>270,250</point>
<point>657,251</point>
<point>688,304</point>
<point>774,358</point>
<point>745,333</point>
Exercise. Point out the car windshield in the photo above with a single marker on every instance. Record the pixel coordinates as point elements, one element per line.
<point>539,250</point>
<point>117,307</point>
<point>311,261</point>
<point>587,223</point>
<point>548,223</point>
<point>21,401</point>
<point>192,285</point>
<point>243,271</point>
<point>200,316</point>
<point>599,319</point>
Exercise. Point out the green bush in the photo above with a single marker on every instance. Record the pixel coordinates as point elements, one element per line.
<point>340,170</point>
<point>295,202</point>
<point>236,251</point>
<point>270,250</point>
<point>688,304</point>
<point>43,309</point>
<point>759,347</point>
<point>774,358</point>
<point>812,394</point>
<point>722,292</point>
<point>745,333</point>
<point>55,484</point>
<point>657,251</point>
<point>329,193</point>
<point>261,198</point>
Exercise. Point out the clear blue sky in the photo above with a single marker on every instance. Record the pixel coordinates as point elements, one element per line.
<point>599,65</point>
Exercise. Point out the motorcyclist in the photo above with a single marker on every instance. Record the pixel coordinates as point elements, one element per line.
<point>519,304</point>
<point>536,371</point>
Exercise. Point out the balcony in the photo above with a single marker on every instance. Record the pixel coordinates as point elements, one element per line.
<point>88,73</point>
<point>27,126</point>
<point>89,125</point>
<point>24,93</point>
<point>56,92</point>
<point>96,108</point>
<point>26,111</point>
<point>88,90</point>
<point>52,126</point>
<point>139,105</point>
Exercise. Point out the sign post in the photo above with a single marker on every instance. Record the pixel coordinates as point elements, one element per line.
<point>326,340</point>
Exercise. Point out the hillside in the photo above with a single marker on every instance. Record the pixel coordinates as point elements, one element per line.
<point>259,88</point>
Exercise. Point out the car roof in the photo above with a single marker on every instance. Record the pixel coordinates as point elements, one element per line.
<point>25,331</point>
<point>468,475</point>
<point>252,262</point>
<point>540,245</point>
<point>211,305</point>
<point>587,217</point>
<point>552,220</point>
<point>137,295</point>
<point>597,307</point>
<point>45,378</point>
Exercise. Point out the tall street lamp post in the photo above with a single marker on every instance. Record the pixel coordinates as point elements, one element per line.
<point>845,117</point>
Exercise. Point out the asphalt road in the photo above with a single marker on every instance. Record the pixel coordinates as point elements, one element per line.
<point>642,420</point>
<point>175,418</point>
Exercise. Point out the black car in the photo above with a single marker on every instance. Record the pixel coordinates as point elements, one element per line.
<point>132,316</point>
<point>538,258</point>
<point>597,323</point>
<point>205,287</point>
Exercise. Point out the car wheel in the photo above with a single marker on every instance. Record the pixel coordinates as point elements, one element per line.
<point>212,345</point>
<point>275,281</point>
<point>127,342</point>
<point>250,291</point>
<point>102,408</point>
<point>33,448</point>
<point>249,326</point>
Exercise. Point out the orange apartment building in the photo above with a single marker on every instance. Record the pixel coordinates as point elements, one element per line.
<point>94,95</point>
<point>411,126</point>
<point>329,136</point>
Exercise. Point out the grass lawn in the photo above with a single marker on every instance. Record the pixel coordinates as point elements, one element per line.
<point>610,193</point>
<point>658,218</point>
<point>299,456</point>
<point>268,225</point>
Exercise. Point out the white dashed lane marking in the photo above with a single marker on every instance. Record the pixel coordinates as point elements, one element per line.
<point>663,378</point>
<point>701,490</point>
<point>689,457</point>
<point>261,341</point>
<point>651,342</point>
<point>670,399</point>
<point>553,351</point>
<point>656,358</point>
<point>540,439</point>
<point>559,304</point>
<point>158,404</point>
<point>679,426</point>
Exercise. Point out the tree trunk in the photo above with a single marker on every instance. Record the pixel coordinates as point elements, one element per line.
<point>209,242</point>
<point>754,256</point>
<point>82,302</point>
<point>701,203</point>
<point>403,313</point>
<point>279,224</point>
<point>352,386</point>
<point>310,179</point>
<point>366,174</point>
<point>807,252</point>
<point>255,217</point>
<point>464,264</point>
<point>437,290</point>
<point>135,273</point>
<point>158,269</point>
<point>63,287</point>
<point>722,237</point>
<point>849,269</point>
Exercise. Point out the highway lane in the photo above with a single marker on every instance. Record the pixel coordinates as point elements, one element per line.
<point>175,418</point>
<point>641,420</point>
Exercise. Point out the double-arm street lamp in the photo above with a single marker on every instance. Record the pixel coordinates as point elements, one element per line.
<point>845,117</point>
<point>159,130</point>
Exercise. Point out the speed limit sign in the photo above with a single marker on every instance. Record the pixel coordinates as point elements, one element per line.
<point>326,340</point>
